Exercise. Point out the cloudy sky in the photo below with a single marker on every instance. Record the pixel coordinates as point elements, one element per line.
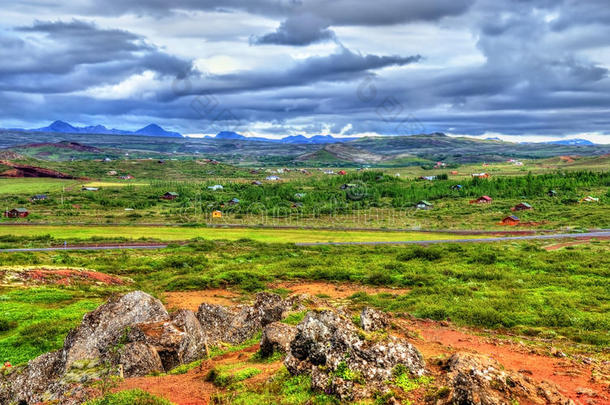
<point>520,69</point>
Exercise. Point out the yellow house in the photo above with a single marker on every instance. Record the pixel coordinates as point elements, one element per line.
<point>216,214</point>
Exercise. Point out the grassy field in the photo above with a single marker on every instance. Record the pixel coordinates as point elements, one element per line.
<point>185,233</point>
<point>34,185</point>
<point>518,287</point>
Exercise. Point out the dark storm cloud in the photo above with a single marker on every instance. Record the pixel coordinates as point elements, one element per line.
<point>338,67</point>
<point>298,31</point>
<point>61,56</point>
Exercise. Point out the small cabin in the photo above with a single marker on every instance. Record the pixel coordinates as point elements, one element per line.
<point>589,199</point>
<point>170,196</point>
<point>457,187</point>
<point>257,183</point>
<point>127,177</point>
<point>38,197</point>
<point>215,187</point>
<point>90,189</point>
<point>272,178</point>
<point>423,205</point>
<point>299,195</point>
<point>216,214</point>
<point>454,172</point>
<point>510,221</point>
<point>480,175</point>
<point>233,201</point>
<point>342,172</point>
<point>17,213</point>
<point>522,207</point>
<point>428,178</point>
<point>484,199</point>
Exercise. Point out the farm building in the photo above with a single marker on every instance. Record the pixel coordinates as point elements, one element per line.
<point>128,177</point>
<point>510,220</point>
<point>342,172</point>
<point>217,214</point>
<point>521,207</point>
<point>484,199</point>
<point>38,197</point>
<point>429,178</point>
<point>112,173</point>
<point>215,187</point>
<point>454,172</point>
<point>257,183</point>
<point>423,205</point>
<point>457,187</point>
<point>17,213</point>
<point>170,196</point>
<point>299,195</point>
<point>90,189</point>
<point>589,199</point>
<point>234,201</point>
<point>272,178</point>
<point>480,175</point>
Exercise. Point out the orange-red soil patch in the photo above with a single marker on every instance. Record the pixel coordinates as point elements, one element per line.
<point>574,379</point>
<point>65,277</point>
<point>192,299</point>
<point>335,290</point>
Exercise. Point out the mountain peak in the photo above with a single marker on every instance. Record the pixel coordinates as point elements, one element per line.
<point>63,127</point>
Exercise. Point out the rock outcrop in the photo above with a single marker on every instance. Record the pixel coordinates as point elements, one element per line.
<point>342,361</point>
<point>136,333</point>
<point>478,380</point>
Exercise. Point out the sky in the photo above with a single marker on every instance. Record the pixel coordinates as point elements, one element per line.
<point>513,69</point>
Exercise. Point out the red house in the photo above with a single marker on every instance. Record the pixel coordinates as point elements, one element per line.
<point>170,196</point>
<point>521,207</point>
<point>342,172</point>
<point>485,199</point>
<point>17,213</point>
<point>510,221</point>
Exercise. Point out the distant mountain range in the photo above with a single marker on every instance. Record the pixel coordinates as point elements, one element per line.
<point>63,127</point>
<point>572,142</point>
<point>293,139</point>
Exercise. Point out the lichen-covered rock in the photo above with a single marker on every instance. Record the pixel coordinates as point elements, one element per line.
<point>139,359</point>
<point>107,325</point>
<point>373,320</point>
<point>215,321</point>
<point>342,361</point>
<point>34,382</point>
<point>193,345</point>
<point>478,380</point>
<point>277,337</point>
<point>221,324</point>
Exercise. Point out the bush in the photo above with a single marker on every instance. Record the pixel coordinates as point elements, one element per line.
<point>428,254</point>
<point>5,325</point>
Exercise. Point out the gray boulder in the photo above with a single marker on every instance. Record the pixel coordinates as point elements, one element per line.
<point>104,328</point>
<point>236,325</point>
<point>341,361</point>
<point>478,380</point>
<point>277,337</point>
<point>139,359</point>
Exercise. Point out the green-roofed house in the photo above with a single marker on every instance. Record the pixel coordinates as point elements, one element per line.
<point>423,205</point>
